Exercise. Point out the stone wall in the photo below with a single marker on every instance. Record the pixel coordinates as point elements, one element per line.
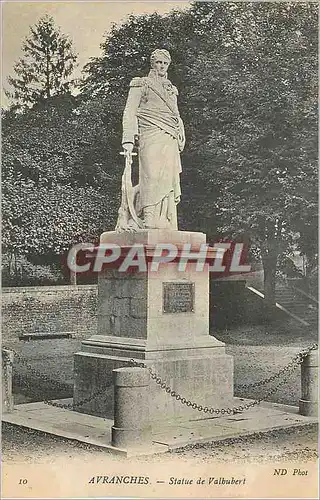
<point>73,309</point>
<point>49,309</point>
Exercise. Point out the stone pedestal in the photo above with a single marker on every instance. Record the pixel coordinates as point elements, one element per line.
<point>161,318</point>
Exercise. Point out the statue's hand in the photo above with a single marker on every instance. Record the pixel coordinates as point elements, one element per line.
<point>181,136</point>
<point>128,147</point>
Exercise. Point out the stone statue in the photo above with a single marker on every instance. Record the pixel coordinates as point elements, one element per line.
<point>151,120</point>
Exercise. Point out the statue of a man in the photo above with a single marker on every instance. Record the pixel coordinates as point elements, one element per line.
<point>152,121</point>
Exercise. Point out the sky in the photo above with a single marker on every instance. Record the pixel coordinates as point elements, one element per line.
<point>84,22</point>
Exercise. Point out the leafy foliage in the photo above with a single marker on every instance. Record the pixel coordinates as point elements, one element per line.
<point>256,124</point>
<point>19,271</point>
<point>247,77</point>
<point>52,196</point>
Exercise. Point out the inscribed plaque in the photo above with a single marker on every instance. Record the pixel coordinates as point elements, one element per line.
<point>178,297</point>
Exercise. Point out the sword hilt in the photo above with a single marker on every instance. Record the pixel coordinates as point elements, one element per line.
<point>124,153</point>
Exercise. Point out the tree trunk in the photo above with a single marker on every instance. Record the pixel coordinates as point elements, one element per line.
<point>73,274</point>
<point>48,74</point>
<point>15,268</point>
<point>73,278</point>
<point>269,267</point>
<point>269,260</point>
<point>11,261</point>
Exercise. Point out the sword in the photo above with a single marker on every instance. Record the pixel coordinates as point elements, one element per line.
<point>128,189</point>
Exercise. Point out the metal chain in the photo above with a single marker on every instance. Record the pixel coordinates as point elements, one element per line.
<point>290,368</point>
<point>280,372</point>
<point>35,372</point>
<point>55,383</point>
<point>72,406</point>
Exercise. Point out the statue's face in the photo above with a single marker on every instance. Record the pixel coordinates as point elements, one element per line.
<point>161,65</point>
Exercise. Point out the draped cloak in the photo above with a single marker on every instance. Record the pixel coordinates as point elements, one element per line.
<point>151,115</point>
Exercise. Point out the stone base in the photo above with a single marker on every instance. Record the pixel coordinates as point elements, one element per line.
<point>308,408</point>
<point>130,438</point>
<point>160,317</point>
<point>203,376</point>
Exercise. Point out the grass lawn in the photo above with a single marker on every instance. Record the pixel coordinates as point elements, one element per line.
<point>277,333</point>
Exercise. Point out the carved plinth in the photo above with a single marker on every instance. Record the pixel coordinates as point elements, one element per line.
<point>162,318</point>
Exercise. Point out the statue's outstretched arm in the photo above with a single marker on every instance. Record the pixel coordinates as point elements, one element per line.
<point>130,120</point>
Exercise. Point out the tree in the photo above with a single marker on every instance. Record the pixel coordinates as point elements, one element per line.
<point>52,197</point>
<point>254,116</point>
<point>126,52</point>
<point>247,76</point>
<point>45,69</point>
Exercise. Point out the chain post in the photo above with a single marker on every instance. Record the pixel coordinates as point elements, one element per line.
<point>132,424</point>
<point>57,385</point>
<point>7,370</point>
<point>286,371</point>
<point>308,404</point>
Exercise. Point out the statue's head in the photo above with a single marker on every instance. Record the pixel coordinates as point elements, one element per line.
<point>160,60</point>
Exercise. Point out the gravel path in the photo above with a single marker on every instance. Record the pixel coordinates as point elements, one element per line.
<point>299,444</point>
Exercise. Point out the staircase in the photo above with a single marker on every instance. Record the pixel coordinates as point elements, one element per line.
<point>298,303</point>
<point>294,302</point>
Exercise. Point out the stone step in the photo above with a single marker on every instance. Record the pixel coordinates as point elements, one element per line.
<point>297,304</point>
<point>305,314</point>
<point>292,301</point>
<point>290,294</point>
<point>295,300</point>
